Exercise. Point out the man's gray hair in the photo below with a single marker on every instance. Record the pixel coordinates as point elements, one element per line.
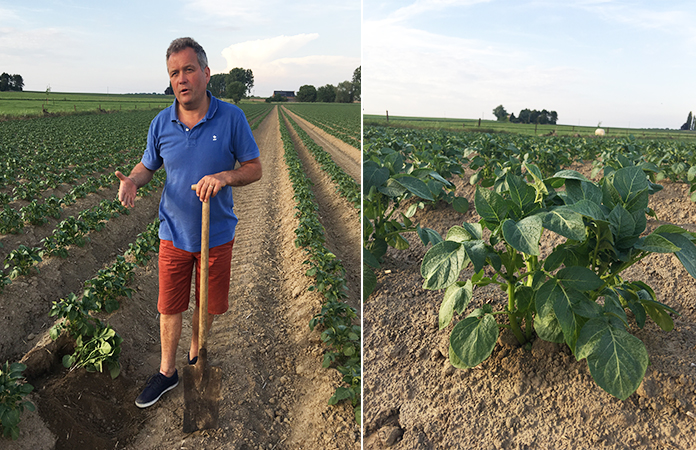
<point>183,43</point>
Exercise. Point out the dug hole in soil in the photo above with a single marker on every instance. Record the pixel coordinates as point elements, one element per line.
<point>522,399</point>
<point>274,390</point>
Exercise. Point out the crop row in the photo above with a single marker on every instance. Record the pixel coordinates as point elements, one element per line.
<point>340,120</point>
<point>255,112</point>
<point>71,231</point>
<point>50,151</point>
<point>345,184</point>
<point>336,318</point>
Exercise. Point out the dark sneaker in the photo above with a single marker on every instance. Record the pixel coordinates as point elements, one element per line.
<point>191,361</point>
<point>155,387</point>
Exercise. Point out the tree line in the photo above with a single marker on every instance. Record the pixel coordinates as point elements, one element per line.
<point>344,92</point>
<point>690,124</point>
<point>238,83</point>
<point>542,117</point>
<point>11,82</point>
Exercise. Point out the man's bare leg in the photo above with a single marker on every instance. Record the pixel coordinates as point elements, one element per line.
<point>170,333</point>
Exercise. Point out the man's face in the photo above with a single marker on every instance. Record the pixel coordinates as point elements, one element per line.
<point>188,80</point>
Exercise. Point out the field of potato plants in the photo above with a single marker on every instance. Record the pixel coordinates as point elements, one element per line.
<point>78,321</point>
<point>528,292</point>
<point>339,119</point>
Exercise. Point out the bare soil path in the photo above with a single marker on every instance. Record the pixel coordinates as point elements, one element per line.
<point>275,392</point>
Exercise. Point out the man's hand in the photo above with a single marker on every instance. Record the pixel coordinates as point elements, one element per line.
<point>126,191</point>
<point>210,185</point>
<point>246,173</point>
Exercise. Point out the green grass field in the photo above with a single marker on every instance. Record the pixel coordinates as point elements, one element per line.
<point>492,126</point>
<point>33,103</point>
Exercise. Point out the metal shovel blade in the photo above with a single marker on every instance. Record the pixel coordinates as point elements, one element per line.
<point>201,394</point>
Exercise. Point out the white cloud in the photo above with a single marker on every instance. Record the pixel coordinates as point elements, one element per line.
<point>261,51</point>
<point>277,63</point>
<point>454,76</point>
<point>420,7</point>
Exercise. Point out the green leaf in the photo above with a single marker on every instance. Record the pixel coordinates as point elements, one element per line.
<point>617,359</point>
<point>460,204</point>
<point>477,253</point>
<point>580,278</point>
<point>490,205</point>
<point>570,175</point>
<point>582,190</point>
<point>473,339</point>
<point>588,209</point>
<point>373,175</point>
<point>457,298</point>
<point>442,264</point>
<point>428,235</point>
<point>629,181</point>
<point>659,312</point>
<point>414,186</point>
<point>656,243</point>
<point>524,235</point>
<point>548,328</point>
<point>565,222</point>
<point>454,359</point>
<point>369,281</point>
<point>686,253</point>
<point>521,193</point>
<point>459,234</point>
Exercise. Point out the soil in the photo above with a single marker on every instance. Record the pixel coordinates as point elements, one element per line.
<point>539,398</point>
<point>274,390</point>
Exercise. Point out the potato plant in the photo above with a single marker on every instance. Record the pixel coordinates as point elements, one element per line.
<point>577,294</point>
<point>13,390</point>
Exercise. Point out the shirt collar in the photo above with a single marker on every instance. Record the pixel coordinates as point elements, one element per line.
<point>212,109</point>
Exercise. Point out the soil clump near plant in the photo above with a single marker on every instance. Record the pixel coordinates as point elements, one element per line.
<point>274,390</point>
<point>535,398</point>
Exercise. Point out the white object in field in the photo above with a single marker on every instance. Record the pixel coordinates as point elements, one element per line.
<point>599,132</point>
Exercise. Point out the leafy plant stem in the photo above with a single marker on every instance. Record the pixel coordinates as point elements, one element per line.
<point>514,325</point>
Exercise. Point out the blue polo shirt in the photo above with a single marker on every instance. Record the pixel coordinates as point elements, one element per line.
<point>213,145</point>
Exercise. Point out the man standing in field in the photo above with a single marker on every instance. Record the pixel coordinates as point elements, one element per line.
<point>199,139</point>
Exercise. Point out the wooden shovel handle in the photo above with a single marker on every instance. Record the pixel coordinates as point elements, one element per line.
<point>203,303</point>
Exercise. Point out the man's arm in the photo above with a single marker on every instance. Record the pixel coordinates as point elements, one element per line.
<point>247,173</point>
<point>139,177</point>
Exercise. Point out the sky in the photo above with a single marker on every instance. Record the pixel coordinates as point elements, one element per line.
<point>618,63</point>
<point>120,47</point>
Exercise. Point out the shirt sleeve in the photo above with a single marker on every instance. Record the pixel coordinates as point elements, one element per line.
<point>151,158</point>
<point>244,145</point>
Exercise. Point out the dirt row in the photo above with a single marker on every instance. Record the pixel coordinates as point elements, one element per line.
<point>274,392</point>
<point>346,156</point>
<point>521,399</point>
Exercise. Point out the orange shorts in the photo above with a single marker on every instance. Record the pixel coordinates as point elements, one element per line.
<point>175,271</point>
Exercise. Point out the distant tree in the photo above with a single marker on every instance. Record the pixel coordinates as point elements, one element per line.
<point>326,94</point>
<point>169,90</point>
<point>343,92</point>
<point>307,93</point>
<point>500,113</point>
<point>17,83</point>
<point>244,76</point>
<point>356,84</point>
<point>236,90</point>
<point>688,125</point>
<point>276,98</point>
<point>218,84</point>
<point>513,119</point>
<point>5,80</point>
<point>553,117</point>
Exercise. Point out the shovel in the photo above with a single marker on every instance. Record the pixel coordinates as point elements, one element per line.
<point>201,381</point>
